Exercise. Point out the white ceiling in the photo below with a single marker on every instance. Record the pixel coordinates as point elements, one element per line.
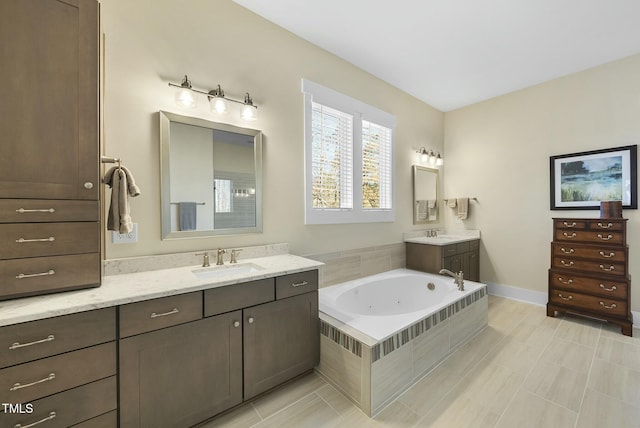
<point>452,53</point>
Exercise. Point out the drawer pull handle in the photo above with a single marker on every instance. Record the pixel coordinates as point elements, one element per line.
<point>605,238</point>
<point>18,345</point>
<point>574,224</point>
<point>48,210</point>
<point>608,226</point>
<point>52,415</point>
<point>566,235</point>
<point>299,284</point>
<point>16,386</point>
<point>236,323</point>
<point>164,314</point>
<point>607,256</point>
<point>570,281</point>
<point>613,306</point>
<point>22,240</point>
<point>613,288</point>
<point>570,251</point>
<point>609,269</point>
<point>31,275</point>
<point>251,320</point>
<point>563,263</point>
<point>565,298</point>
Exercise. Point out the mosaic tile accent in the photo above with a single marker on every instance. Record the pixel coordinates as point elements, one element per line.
<point>347,342</point>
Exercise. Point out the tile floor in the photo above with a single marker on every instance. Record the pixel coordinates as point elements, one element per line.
<point>524,370</point>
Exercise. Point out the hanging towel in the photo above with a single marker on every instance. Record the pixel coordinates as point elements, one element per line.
<point>421,210</point>
<point>463,208</point>
<point>122,185</point>
<point>432,210</point>
<point>187,215</point>
<point>451,203</point>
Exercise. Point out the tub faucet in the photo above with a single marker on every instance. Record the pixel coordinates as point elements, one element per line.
<point>219,260</point>
<point>458,278</point>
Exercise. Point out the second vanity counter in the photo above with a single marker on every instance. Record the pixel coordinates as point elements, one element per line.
<point>134,287</point>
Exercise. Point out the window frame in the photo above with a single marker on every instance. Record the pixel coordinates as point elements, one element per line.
<point>314,92</point>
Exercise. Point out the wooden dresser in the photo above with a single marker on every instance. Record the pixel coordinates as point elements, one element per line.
<point>589,272</point>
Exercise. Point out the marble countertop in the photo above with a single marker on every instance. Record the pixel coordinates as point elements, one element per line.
<point>135,287</point>
<point>444,238</point>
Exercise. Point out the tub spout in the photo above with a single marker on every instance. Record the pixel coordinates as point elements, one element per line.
<point>458,278</point>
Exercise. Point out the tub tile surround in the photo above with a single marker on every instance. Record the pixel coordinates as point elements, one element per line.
<point>150,284</point>
<point>465,381</point>
<point>373,373</point>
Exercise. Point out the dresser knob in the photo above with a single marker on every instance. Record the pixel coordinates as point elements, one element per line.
<point>613,306</point>
<point>613,288</point>
<point>566,298</point>
<point>88,185</point>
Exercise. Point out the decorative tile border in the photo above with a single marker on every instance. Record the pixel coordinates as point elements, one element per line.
<point>403,337</point>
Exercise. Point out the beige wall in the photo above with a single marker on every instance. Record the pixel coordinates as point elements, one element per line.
<point>498,151</point>
<point>149,43</point>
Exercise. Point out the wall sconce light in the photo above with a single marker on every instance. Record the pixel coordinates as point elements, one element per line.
<point>218,101</point>
<point>430,156</point>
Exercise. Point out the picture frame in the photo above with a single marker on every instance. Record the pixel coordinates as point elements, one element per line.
<point>580,181</point>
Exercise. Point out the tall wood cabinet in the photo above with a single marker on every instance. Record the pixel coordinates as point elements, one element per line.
<point>589,272</point>
<point>49,146</point>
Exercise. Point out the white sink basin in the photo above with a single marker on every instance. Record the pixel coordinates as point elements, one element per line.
<point>217,272</point>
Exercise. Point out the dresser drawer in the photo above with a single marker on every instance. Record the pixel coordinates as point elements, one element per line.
<point>594,304</point>
<point>29,381</point>
<point>591,236</point>
<point>232,297</point>
<point>588,266</point>
<point>72,407</point>
<point>32,340</point>
<point>296,283</point>
<point>47,210</point>
<point>607,225</point>
<point>564,223</point>
<point>594,252</point>
<point>141,317</point>
<point>583,284</point>
<point>40,275</point>
<point>18,240</point>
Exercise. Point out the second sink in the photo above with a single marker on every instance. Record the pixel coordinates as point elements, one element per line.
<point>226,270</point>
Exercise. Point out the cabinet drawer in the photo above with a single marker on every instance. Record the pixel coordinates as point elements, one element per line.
<point>19,240</point>
<point>47,210</point>
<point>594,304</point>
<point>474,245</point>
<point>71,407</point>
<point>591,236</point>
<point>108,420</point>
<point>569,223</point>
<point>40,275</point>
<point>296,283</point>
<point>607,225</point>
<point>238,296</point>
<point>601,287</point>
<point>595,252</point>
<point>449,250</point>
<point>587,266</point>
<point>29,341</point>
<point>462,247</point>
<point>140,317</point>
<point>27,382</point>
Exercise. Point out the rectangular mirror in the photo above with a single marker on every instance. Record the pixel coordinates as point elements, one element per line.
<point>425,195</point>
<point>211,178</point>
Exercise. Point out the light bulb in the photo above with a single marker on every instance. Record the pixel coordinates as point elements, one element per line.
<point>249,111</point>
<point>432,158</point>
<point>439,160</point>
<point>218,105</point>
<point>184,96</point>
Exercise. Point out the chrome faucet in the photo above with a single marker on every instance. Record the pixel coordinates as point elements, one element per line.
<point>205,259</point>
<point>234,255</point>
<point>432,233</point>
<point>219,260</point>
<point>458,278</point>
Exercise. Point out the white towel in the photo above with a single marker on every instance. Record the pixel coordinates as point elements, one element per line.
<point>463,208</point>
<point>122,186</point>
<point>451,203</point>
<point>421,210</point>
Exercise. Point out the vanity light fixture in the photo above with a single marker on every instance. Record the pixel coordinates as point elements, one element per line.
<point>430,156</point>
<point>218,101</point>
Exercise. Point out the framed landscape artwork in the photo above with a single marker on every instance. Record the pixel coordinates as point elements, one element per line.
<point>580,181</point>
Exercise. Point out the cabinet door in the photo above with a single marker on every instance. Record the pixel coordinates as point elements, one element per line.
<point>281,340</point>
<point>179,376</point>
<point>49,132</point>
<point>473,270</point>
<point>453,263</point>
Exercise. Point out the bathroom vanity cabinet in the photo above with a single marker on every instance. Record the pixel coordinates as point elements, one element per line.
<point>456,257</point>
<point>589,272</point>
<point>49,147</point>
<point>189,357</point>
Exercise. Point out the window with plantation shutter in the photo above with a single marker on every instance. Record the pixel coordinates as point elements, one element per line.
<point>348,159</point>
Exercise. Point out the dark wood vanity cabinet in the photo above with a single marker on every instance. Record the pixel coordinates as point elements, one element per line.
<point>461,256</point>
<point>589,272</point>
<point>49,147</point>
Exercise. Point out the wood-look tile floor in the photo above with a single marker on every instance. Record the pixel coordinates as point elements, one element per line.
<point>524,370</point>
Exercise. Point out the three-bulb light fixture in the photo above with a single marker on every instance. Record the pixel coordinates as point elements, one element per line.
<point>218,101</point>
<point>430,156</point>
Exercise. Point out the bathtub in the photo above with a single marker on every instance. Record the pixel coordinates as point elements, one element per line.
<point>382,333</point>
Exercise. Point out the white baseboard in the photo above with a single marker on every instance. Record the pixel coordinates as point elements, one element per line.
<point>534,297</point>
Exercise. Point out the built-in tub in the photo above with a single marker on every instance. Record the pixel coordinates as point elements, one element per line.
<point>382,333</point>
